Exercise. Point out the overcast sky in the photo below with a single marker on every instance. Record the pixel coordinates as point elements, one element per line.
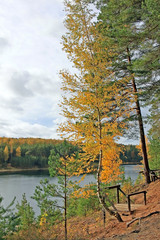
<point>31,57</point>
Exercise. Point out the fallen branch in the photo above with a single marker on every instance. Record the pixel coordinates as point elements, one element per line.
<point>135,219</point>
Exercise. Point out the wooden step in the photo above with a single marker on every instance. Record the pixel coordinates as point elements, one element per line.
<point>123,207</point>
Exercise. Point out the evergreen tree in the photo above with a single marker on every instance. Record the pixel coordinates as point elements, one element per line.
<point>64,161</point>
<point>8,220</point>
<point>44,195</point>
<point>121,25</point>
<point>25,214</point>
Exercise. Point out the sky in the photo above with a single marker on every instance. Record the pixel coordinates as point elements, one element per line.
<point>31,57</point>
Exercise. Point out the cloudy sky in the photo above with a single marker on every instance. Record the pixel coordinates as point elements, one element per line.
<point>31,57</point>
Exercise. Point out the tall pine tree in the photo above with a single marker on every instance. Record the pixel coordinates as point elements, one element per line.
<point>122,26</point>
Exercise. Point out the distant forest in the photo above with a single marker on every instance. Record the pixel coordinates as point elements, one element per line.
<point>34,152</point>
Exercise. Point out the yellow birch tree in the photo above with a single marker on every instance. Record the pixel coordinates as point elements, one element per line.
<point>93,101</point>
<point>6,153</point>
<point>18,151</point>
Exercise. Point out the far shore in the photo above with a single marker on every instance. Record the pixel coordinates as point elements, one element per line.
<point>18,170</point>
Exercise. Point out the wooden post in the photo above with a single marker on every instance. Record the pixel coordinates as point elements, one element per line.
<point>104,217</point>
<point>118,194</point>
<point>129,203</point>
<point>131,194</point>
<point>145,202</point>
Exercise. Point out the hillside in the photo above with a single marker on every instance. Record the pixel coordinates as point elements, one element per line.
<point>91,227</point>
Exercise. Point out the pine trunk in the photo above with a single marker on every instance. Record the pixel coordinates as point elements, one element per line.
<point>65,205</point>
<point>141,128</point>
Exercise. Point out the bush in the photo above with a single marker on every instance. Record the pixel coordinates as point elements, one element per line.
<point>83,201</point>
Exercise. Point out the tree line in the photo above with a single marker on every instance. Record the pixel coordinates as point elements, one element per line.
<point>32,152</point>
<point>25,152</point>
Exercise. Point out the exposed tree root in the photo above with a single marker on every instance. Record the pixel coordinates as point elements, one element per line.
<point>135,219</point>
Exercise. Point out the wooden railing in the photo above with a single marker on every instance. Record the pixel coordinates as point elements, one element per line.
<point>132,194</point>
<point>128,197</point>
<point>118,187</point>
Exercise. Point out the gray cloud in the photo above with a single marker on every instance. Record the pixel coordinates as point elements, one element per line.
<point>25,84</point>
<point>12,104</point>
<point>24,129</point>
<point>19,84</point>
<point>44,85</point>
<point>29,82</point>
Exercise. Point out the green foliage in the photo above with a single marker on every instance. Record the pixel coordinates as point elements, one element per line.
<point>83,203</point>
<point>31,152</point>
<point>135,25</point>
<point>130,154</point>
<point>25,214</point>
<point>1,156</point>
<point>154,133</point>
<point>139,180</point>
<point>45,195</point>
<point>29,161</point>
<point>64,161</point>
<point>60,159</point>
<point>154,151</point>
<point>24,162</point>
<point>8,220</point>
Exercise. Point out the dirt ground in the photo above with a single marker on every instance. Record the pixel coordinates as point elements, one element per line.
<point>147,228</point>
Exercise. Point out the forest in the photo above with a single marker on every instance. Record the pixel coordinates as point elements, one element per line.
<point>25,152</point>
<point>30,153</point>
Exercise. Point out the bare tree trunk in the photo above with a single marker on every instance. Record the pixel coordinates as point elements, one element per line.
<point>141,128</point>
<point>100,196</point>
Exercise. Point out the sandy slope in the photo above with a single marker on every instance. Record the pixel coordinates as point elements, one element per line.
<point>91,227</point>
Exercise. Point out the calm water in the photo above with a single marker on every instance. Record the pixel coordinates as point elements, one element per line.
<point>16,184</point>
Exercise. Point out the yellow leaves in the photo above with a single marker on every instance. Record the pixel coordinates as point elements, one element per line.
<point>111,165</point>
<point>94,101</point>
<point>18,151</point>
<point>127,187</point>
<point>82,178</point>
<point>43,219</point>
<point>6,153</point>
<point>83,192</point>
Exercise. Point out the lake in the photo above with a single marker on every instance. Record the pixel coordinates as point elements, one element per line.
<point>16,184</point>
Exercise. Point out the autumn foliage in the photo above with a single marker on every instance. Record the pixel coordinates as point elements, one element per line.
<point>94,104</point>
